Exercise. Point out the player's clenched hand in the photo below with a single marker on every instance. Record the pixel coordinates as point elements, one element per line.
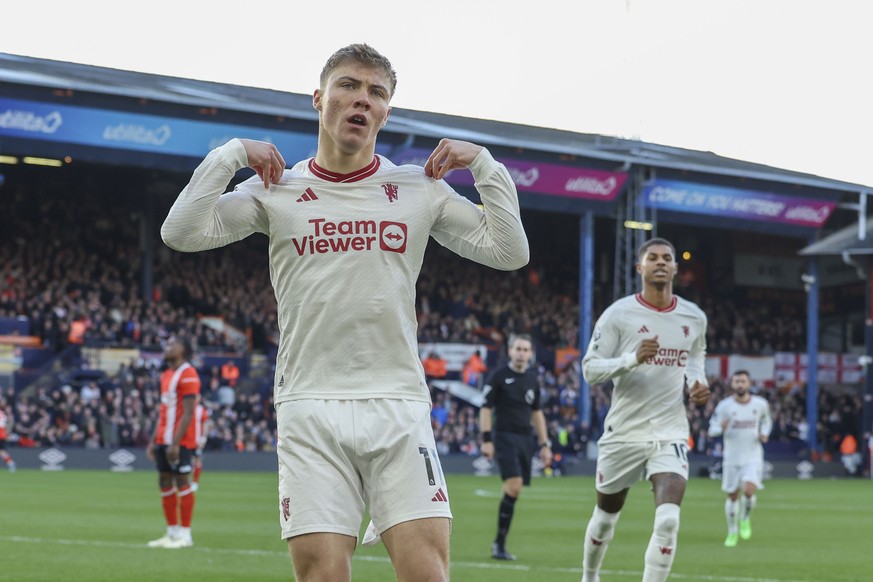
<point>488,450</point>
<point>449,155</point>
<point>264,159</point>
<point>648,348</point>
<point>699,393</point>
<point>173,454</point>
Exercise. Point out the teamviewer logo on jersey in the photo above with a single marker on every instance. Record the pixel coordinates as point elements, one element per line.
<point>392,237</point>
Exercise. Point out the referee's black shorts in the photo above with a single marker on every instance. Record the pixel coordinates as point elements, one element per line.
<point>514,452</point>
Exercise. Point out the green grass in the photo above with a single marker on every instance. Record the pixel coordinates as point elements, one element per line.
<point>92,526</point>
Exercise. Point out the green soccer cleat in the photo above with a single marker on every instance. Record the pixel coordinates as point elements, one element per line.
<point>746,529</point>
<point>731,541</point>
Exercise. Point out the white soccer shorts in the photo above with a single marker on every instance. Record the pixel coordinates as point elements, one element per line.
<point>338,457</point>
<point>620,465</point>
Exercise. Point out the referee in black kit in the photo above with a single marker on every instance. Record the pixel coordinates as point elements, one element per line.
<point>513,393</point>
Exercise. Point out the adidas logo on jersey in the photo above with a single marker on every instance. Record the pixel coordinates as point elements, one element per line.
<point>644,329</point>
<point>308,196</point>
<point>440,496</point>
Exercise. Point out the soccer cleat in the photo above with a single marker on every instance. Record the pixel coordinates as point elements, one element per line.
<point>176,543</point>
<point>731,541</point>
<point>500,553</point>
<point>746,528</point>
<point>161,542</point>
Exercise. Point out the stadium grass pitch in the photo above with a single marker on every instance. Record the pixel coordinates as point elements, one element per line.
<point>92,526</point>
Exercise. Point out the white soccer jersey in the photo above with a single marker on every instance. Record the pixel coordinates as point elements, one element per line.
<point>345,253</point>
<point>747,421</point>
<point>648,398</point>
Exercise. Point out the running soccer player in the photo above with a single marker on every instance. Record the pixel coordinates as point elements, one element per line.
<point>743,421</point>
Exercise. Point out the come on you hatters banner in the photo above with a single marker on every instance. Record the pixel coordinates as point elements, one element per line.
<point>529,176</point>
<point>722,201</point>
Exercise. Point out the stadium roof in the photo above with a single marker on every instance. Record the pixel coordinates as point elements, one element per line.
<point>31,71</point>
<point>846,241</point>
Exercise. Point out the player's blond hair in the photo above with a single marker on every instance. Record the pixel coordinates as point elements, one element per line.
<point>359,53</point>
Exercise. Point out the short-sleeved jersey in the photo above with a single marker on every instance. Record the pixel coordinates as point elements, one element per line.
<point>345,252</point>
<point>512,396</point>
<point>4,425</point>
<point>747,422</point>
<point>176,384</point>
<point>647,399</point>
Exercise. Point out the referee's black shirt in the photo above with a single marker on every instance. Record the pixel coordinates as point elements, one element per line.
<point>512,396</point>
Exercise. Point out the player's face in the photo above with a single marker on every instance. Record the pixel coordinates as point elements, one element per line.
<point>520,352</point>
<point>174,351</point>
<point>353,106</point>
<point>657,265</point>
<point>741,384</point>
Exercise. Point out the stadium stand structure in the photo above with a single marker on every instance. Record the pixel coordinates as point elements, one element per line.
<point>122,121</point>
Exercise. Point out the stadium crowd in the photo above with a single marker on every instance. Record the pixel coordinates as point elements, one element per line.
<point>74,267</point>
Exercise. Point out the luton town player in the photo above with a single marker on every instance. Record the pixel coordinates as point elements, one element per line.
<point>649,344</point>
<point>347,234</point>
<point>172,446</point>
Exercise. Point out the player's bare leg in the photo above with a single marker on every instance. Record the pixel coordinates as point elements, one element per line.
<point>419,549</point>
<point>322,557</point>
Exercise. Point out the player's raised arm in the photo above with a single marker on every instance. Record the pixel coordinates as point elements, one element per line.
<point>494,237</point>
<point>203,218</point>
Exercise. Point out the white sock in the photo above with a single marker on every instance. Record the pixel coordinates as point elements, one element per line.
<point>184,533</point>
<point>662,544</point>
<point>601,528</point>
<point>173,531</point>
<point>748,505</point>
<point>731,513</point>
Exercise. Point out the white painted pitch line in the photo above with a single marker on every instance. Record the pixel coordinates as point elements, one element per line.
<point>455,564</point>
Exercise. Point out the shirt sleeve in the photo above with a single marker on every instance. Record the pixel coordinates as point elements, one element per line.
<point>766,425</point>
<point>695,367</point>
<point>488,391</point>
<point>189,383</point>
<point>601,362</point>
<point>493,236</point>
<point>715,421</point>
<point>203,217</point>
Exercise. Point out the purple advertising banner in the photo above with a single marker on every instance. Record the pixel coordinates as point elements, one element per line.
<point>736,203</point>
<point>529,176</point>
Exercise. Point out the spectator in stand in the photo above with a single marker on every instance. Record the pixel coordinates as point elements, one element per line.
<point>230,373</point>
<point>473,370</point>
<point>435,367</point>
<point>849,454</point>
